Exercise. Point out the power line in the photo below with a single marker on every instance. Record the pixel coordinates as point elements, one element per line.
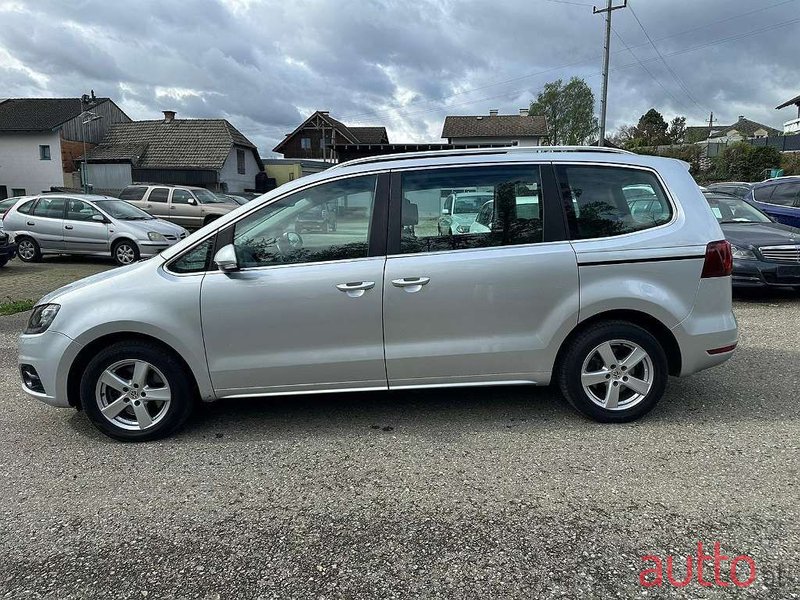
<point>674,74</point>
<point>568,2</point>
<point>573,64</point>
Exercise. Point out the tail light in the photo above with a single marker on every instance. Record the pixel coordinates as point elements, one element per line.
<point>719,259</point>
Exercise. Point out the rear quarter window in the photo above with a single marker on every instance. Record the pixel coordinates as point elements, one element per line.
<point>605,201</point>
<point>133,193</point>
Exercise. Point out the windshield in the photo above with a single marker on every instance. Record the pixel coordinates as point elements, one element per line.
<point>206,197</point>
<point>119,209</point>
<point>469,205</point>
<point>728,209</point>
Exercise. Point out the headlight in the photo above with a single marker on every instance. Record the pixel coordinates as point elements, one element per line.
<point>41,317</point>
<point>462,229</point>
<point>156,237</point>
<point>742,252</point>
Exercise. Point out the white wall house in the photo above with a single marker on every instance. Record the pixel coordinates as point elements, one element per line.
<point>29,163</point>
<point>496,129</point>
<point>239,170</point>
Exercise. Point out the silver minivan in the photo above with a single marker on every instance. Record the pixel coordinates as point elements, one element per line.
<point>561,283</point>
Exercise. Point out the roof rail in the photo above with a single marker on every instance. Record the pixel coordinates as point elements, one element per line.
<point>479,151</point>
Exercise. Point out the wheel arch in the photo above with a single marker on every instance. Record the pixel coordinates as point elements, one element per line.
<point>647,322</point>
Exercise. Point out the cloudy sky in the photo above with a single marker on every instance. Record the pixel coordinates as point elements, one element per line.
<point>266,65</point>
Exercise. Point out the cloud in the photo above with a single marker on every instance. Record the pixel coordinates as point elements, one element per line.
<point>265,65</point>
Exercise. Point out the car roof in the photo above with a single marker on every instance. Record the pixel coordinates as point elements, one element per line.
<point>167,185</point>
<point>778,180</point>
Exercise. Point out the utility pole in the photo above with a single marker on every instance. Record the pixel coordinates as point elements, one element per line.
<point>711,120</point>
<point>606,48</point>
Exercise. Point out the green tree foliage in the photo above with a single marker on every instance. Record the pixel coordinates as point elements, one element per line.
<point>790,163</point>
<point>651,129</point>
<point>687,153</point>
<point>742,162</point>
<point>677,130</point>
<point>569,110</point>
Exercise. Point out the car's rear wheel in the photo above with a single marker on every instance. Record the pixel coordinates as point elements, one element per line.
<point>125,252</point>
<point>134,391</point>
<point>613,372</point>
<point>28,250</point>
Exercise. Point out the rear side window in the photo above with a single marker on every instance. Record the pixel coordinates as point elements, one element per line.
<point>785,194</point>
<point>470,207</point>
<point>763,194</point>
<point>609,201</point>
<point>25,209</point>
<point>52,208</point>
<point>133,193</point>
<point>158,195</point>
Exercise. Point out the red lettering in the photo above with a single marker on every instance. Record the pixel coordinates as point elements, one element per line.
<point>659,577</point>
<point>686,581</point>
<point>718,559</point>
<point>701,558</point>
<point>751,565</point>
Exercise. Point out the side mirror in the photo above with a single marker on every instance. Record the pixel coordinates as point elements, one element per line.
<point>192,201</point>
<point>99,218</point>
<point>226,260</point>
<point>445,211</point>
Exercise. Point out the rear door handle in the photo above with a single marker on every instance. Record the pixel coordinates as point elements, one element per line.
<point>30,224</point>
<point>356,289</point>
<point>67,226</point>
<point>411,284</point>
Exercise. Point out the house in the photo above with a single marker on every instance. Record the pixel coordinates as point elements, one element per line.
<point>496,129</point>
<point>210,153</point>
<point>793,126</point>
<point>41,137</point>
<point>742,129</point>
<point>315,136</point>
<point>283,170</point>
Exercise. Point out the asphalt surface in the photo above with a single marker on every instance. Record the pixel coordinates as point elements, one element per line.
<point>479,493</point>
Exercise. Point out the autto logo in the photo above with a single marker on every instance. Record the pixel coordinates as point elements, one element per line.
<point>707,570</point>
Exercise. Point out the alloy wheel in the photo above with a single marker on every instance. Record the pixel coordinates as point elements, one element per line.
<point>617,374</point>
<point>133,394</point>
<point>26,250</point>
<point>125,254</point>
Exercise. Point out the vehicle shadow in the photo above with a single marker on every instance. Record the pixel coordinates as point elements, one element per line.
<point>761,295</point>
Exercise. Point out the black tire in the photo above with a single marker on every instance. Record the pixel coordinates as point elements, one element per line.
<point>27,242</point>
<point>581,349</point>
<point>181,386</point>
<point>210,220</point>
<point>119,249</point>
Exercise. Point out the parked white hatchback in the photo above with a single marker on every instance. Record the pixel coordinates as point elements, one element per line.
<point>561,283</point>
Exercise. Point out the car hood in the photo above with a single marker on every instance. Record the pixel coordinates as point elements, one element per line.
<point>157,225</point>
<point>760,234</point>
<point>56,295</point>
<point>464,218</point>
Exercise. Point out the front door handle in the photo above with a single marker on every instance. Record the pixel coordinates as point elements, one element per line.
<point>411,284</point>
<point>31,223</point>
<point>67,226</point>
<point>356,289</point>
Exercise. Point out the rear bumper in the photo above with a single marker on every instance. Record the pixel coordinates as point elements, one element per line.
<point>761,274</point>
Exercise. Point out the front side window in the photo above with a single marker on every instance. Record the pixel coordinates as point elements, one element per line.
<point>763,194</point>
<point>158,195</point>
<point>206,197</point>
<point>50,207</point>
<point>181,196</point>
<point>78,210</point>
<point>785,194</point>
<point>298,228</point>
<point>608,201</point>
<point>198,259</point>
<point>44,152</point>
<point>474,207</point>
<point>133,193</point>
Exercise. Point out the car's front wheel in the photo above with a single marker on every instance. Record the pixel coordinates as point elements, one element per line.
<point>613,372</point>
<point>125,252</point>
<point>135,392</point>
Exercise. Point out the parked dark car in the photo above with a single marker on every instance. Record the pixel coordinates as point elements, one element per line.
<point>7,248</point>
<point>735,188</point>
<point>765,253</point>
<point>319,218</point>
<point>779,198</point>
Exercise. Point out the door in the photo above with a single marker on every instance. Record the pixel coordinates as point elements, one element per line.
<point>302,313</point>
<point>487,305</point>
<point>46,223</point>
<point>155,202</point>
<point>184,209</point>
<point>85,228</point>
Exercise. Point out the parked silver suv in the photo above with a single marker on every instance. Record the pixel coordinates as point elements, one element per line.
<point>190,207</point>
<point>561,283</point>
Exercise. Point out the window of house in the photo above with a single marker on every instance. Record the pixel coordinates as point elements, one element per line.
<point>181,196</point>
<point>50,207</point>
<point>305,143</point>
<point>158,195</point>
<point>494,206</point>
<point>44,152</point>
<point>133,192</point>
<point>270,235</point>
<point>607,201</point>
<point>17,191</point>
<point>240,166</point>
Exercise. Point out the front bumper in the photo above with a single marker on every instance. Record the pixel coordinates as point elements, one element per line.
<point>149,249</point>
<point>50,353</point>
<point>760,274</point>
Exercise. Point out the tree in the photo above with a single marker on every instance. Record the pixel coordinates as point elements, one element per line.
<point>677,130</point>
<point>569,110</point>
<point>652,129</point>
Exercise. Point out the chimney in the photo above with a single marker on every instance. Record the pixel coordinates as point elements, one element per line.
<point>523,112</point>
<point>169,116</point>
<point>493,112</point>
<point>741,117</point>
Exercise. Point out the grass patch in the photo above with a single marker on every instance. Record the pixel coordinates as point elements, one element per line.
<point>15,306</point>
